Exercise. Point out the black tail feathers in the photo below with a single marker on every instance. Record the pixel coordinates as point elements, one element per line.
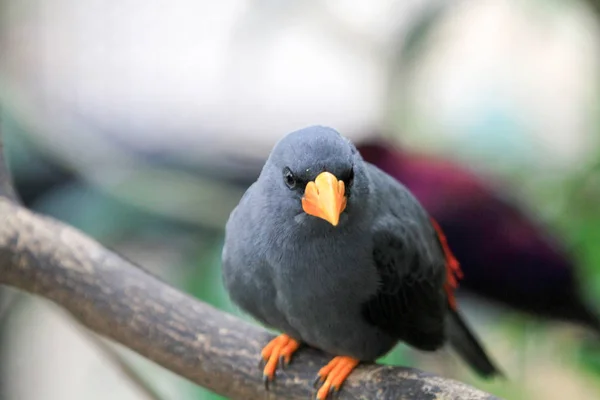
<point>468,346</point>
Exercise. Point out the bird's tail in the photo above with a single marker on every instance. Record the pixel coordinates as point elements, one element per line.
<point>468,347</point>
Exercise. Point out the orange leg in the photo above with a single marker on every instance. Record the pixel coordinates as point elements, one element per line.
<point>333,375</point>
<point>278,352</point>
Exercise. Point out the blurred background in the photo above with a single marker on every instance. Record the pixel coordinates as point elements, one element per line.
<point>142,123</point>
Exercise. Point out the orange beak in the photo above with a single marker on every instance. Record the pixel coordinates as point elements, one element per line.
<point>325,198</point>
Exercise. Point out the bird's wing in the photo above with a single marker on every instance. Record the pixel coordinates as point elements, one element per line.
<point>411,303</point>
<point>418,274</point>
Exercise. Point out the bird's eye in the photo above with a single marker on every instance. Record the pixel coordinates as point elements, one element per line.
<point>289,178</point>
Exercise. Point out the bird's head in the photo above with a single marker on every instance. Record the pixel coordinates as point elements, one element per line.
<point>316,172</point>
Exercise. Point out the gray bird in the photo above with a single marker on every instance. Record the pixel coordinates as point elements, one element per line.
<point>336,254</point>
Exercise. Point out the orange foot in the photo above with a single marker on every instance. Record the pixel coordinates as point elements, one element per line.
<point>334,374</point>
<point>278,351</point>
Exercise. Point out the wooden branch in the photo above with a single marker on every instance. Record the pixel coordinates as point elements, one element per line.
<point>7,191</point>
<point>121,301</point>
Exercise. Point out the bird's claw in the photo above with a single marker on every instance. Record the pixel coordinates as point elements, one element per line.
<point>333,375</point>
<point>318,380</point>
<point>277,353</point>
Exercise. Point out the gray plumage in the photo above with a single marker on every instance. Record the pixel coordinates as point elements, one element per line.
<point>354,289</point>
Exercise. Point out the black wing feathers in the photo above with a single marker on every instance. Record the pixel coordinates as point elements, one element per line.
<point>410,303</point>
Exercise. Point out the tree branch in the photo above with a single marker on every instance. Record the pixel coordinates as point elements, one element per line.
<point>7,191</point>
<point>123,302</point>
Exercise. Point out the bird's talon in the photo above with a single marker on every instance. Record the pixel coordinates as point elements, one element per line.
<point>334,374</point>
<point>266,382</point>
<point>318,380</point>
<point>278,352</point>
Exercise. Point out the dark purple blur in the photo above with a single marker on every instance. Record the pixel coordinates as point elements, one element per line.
<point>504,255</point>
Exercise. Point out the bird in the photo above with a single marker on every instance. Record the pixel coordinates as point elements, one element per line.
<point>505,255</point>
<point>337,255</point>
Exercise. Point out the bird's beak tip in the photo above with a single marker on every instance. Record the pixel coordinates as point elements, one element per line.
<point>333,219</point>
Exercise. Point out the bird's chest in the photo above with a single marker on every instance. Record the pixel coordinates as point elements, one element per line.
<point>326,276</point>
